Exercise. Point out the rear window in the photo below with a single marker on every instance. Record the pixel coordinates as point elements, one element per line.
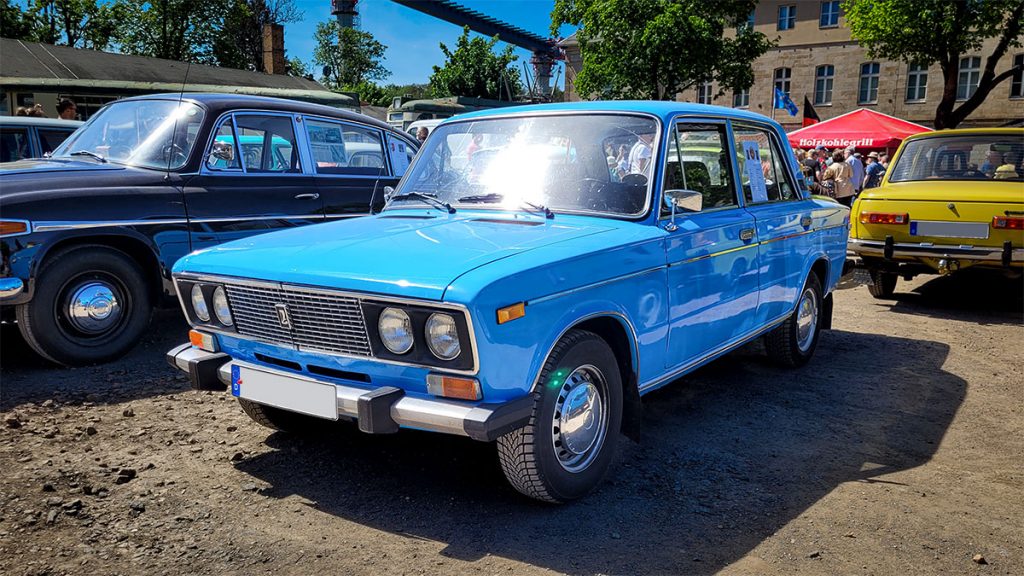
<point>983,157</point>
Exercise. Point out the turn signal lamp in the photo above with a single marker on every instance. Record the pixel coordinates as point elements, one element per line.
<point>1007,223</point>
<point>883,218</point>
<point>202,340</point>
<point>13,227</point>
<point>453,387</point>
<point>510,313</point>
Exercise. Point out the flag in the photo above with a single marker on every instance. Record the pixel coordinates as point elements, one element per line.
<point>782,100</point>
<point>810,114</point>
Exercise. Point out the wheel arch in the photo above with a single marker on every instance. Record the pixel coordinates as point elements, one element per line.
<point>140,251</point>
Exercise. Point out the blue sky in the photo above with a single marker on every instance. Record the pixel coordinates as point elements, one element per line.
<point>412,38</point>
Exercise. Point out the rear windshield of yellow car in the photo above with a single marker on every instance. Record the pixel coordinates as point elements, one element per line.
<point>981,157</point>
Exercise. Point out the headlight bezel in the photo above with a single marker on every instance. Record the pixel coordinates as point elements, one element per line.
<point>428,335</point>
<point>186,287</point>
<point>421,354</point>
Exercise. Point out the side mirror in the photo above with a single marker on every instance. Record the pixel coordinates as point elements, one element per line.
<point>684,200</point>
<point>221,151</point>
<point>389,191</point>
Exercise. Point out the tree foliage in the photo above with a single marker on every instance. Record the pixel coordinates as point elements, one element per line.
<point>654,49</point>
<point>238,43</point>
<point>939,31</point>
<point>350,57</point>
<point>90,24</point>
<point>181,30</point>
<point>16,23</point>
<point>474,69</point>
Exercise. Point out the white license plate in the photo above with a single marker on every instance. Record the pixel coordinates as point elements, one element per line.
<point>296,394</point>
<point>949,229</point>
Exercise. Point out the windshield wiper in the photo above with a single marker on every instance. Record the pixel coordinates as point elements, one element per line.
<point>428,198</point>
<point>89,154</point>
<point>495,197</point>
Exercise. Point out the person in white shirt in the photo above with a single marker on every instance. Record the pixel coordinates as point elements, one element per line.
<point>640,156</point>
<point>858,169</point>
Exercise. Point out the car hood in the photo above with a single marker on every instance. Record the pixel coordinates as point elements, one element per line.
<point>400,253</point>
<point>39,165</point>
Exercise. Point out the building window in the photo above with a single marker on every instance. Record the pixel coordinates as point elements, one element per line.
<point>829,14</point>
<point>970,74</point>
<point>782,77</point>
<point>868,83</point>
<point>787,17</point>
<point>917,83</point>
<point>823,77</point>
<point>1017,82</point>
<point>704,93</point>
<point>741,98</point>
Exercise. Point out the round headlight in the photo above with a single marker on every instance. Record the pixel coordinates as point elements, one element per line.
<point>443,336</point>
<point>220,306</point>
<point>199,304</point>
<point>395,329</point>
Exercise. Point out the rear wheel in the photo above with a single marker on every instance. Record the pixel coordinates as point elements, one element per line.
<point>792,344</point>
<point>883,284</point>
<point>283,420</point>
<point>570,441</point>
<point>91,305</point>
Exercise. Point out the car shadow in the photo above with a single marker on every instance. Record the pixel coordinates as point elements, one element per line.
<point>26,377</point>
<point>978,296</point>
<point>728,455</point>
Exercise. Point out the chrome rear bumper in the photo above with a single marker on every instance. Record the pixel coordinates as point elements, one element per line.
<point>927,250</point>
<point>378,410</point>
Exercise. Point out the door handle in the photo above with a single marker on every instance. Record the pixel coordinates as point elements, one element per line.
<point>310,196</point>
<point>746,234</point>
<point>805,221</point>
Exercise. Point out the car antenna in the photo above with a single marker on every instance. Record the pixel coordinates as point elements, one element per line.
<point>174,128</point>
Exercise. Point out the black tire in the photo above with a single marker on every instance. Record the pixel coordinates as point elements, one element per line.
<point>47,324</point>
<point>283,420</point>
<point>529,456</point>
<point>786,345</point>
<point>883,284</point>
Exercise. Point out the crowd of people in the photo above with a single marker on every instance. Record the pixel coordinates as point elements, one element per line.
<point>66,110</point>
<point>841,174</point>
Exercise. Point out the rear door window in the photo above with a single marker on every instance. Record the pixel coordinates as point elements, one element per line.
<point>762,166</point>
<point>341,148</point>
<point>401,153</point>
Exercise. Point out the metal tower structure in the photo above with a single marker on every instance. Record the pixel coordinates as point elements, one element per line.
<point>346,13</point>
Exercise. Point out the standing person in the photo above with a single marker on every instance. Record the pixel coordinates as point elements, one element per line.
<point>873,172</point>
<point>67,109</point>
<point>840,174</point>
<point>474,145</point>
<point>883,159</point>
<point>858,169</point>
<point>810,162</point>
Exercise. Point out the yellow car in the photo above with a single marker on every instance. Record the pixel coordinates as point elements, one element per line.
<point>949,200</point>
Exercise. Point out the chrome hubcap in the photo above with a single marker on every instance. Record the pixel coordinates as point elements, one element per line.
<point>581,421</point>
<point>806,319</point>
<point>94,307</point>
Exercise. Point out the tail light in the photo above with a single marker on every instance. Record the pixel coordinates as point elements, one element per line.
<point>884,218</point>
<point>1008,223</point>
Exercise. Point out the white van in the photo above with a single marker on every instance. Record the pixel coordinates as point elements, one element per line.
<point>428,124</point>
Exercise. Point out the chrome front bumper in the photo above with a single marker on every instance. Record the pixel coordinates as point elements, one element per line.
<point>10,287</point>
<point>378,410</point>
<point>927,250</point>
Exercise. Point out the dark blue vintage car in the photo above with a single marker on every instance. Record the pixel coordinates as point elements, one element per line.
<point>527,284</point>
<point>89,235</point>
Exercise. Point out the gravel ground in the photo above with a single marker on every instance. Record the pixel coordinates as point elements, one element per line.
<point>898,450</point>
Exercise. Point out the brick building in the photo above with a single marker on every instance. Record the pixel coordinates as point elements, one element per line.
<point>816,57</point>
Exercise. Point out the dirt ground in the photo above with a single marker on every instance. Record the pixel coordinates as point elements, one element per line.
<point>898,450</point>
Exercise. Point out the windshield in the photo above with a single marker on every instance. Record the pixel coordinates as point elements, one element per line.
<point>146,133</point>
<point>988,157</point>
<point>598,163</point>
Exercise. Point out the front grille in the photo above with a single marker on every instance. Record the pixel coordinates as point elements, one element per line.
<point>319,321</point>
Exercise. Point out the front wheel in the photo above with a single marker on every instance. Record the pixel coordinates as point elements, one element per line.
<point>91,304</point>
<point>570,441</point>
<point>792,344</point>
<point>283,420</point>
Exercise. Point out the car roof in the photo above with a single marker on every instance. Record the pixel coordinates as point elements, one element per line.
<point>661,109</point>
<point>218,103</point>
<point>37,121</point>
<point>1018,132</point>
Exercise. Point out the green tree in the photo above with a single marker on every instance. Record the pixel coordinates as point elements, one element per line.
<point>182,30</point>
<point>238,42</point>
<point>474,69</point>
<point>296,67</point>
<point>16,23</point>
<point>350,57</point>
<point>940,31</point>
<point>654,49</point>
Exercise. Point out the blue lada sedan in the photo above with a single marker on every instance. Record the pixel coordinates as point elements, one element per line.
<point>536,272</point>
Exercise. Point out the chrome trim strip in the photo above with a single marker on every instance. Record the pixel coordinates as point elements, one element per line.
<point>54,225</point>
<point>254,218</point>
<point>634,348</point>
<point>435,415</point>
<point>27,223</point>
<point>964,252</point>
<point>597,284</point>
<point>360,296</point>
<point>713,254</point>
<point>347,215</point>
<point>10,287</point>
<point>723,349</point>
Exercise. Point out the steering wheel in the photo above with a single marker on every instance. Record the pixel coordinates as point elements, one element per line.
<point>591,194</point>
<point>174,154</point>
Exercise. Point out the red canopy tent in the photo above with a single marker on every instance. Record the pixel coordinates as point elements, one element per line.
<point>863,129</point>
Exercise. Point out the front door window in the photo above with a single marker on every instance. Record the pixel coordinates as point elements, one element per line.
<point>698,160</point>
